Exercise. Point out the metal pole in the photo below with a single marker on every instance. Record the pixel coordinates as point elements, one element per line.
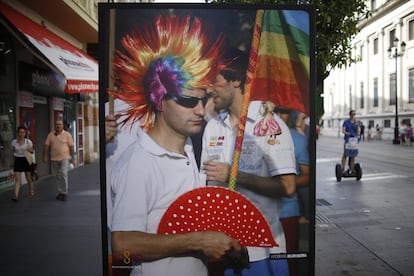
<point>396,130</point>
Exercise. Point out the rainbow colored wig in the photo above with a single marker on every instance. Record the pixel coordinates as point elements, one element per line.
<point>165,57</point>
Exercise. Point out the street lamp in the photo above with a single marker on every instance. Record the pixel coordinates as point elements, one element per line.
<point>394,53</point>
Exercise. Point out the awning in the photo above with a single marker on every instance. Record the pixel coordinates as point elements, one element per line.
<point>79,69</point>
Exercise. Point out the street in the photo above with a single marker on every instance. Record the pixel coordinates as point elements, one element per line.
<point>365,227</point>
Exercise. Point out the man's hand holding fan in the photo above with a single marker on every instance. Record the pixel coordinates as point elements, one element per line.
<point>219,209</point>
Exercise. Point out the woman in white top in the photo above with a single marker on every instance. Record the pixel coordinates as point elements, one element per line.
<point>20,145</point>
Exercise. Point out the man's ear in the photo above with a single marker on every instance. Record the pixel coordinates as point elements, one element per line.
<point>162,105</point>
<point>236,83</point>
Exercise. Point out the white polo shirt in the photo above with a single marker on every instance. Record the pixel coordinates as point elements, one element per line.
<point>258,157</point>
<point>126,135</point>
<point>145,180</point>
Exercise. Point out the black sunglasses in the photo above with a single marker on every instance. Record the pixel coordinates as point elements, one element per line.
<point>188,101</point>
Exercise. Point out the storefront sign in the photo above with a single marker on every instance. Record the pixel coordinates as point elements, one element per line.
<point>58,104</point>
<point>40,80</point>
<point>25,99</point>
<point>39,99</point>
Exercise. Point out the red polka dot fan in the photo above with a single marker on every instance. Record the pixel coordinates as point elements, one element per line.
<point>218,209</point>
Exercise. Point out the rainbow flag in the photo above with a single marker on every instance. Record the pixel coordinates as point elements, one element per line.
<point>278,68</point>
<point>283,63</point>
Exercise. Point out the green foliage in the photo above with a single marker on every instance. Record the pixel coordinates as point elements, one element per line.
<point>336,25</point>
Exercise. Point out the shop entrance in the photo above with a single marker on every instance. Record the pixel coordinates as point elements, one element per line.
<point>42,124</point>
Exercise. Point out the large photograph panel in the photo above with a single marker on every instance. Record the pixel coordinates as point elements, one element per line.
<point>207,117</point>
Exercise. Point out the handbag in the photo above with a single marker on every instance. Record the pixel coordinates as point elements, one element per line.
<point>29,156</point>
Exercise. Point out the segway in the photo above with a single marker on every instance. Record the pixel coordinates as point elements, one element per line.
<point>351,150</point>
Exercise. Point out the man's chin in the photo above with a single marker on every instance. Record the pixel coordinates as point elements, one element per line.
<point>193,130</point>
<point>218,103</point>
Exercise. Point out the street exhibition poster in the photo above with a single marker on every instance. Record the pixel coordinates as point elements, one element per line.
<point>150,53</point>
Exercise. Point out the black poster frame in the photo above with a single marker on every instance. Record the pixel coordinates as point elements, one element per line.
<point>116,19</point>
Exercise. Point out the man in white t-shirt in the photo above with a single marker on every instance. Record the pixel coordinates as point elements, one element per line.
<point>267,163</point>
<point>155,170</point>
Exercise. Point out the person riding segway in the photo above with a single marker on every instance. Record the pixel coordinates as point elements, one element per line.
<point>351,130</point>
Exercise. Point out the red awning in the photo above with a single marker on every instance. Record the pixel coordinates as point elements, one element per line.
<point>79,69</point>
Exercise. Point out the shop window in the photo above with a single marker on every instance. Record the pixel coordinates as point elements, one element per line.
<point>375,103</point>
<point>411,85</point>
<point>392,88</point>
<point>411,29</point>
<point>7,56</point>
<point>375,46</point>
<point>361,103</point>
<point>5,53</point>
<point>7,133</point>
<point>371,123</point>
<point>7,107</point>
<point>391,38</point>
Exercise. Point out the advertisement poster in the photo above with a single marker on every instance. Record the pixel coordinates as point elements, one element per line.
<point>26,119</point>
<point>26,113</point>
<point>207,139</point>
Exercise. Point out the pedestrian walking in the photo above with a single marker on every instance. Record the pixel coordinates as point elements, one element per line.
<point>403,133</point>
<point>22,147</point>
<point>370,137</point>
<point>409,134</point>
<point>362,131</point>
<point>378,132</point>
<point>60,143</point>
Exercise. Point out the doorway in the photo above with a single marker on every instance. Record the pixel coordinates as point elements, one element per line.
<point>42,124</point>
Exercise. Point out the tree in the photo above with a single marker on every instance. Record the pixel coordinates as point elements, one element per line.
<point>336,25</point>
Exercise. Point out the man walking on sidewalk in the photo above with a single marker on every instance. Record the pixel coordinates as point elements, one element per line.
<point>60,143</point>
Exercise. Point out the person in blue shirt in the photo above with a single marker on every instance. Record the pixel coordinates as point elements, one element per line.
<point>295,209</point>
<point>350,129</point>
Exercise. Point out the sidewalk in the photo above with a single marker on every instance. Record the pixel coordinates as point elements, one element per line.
<point>44,236</point>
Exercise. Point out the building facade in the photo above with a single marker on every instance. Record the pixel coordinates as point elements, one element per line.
<point>381,82</point>
<point>46,74</point>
